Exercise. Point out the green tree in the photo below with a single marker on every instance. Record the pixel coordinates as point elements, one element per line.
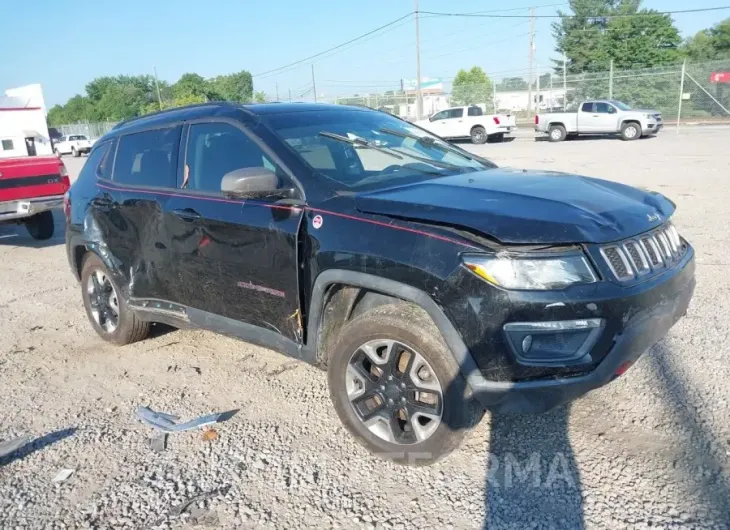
<point>511,84</point>
<point>190,85</point>
<point>590,37</point>
<point>709,44</point>
<point>233,87</point>
<point>471,87</point>
<point>259,97</point>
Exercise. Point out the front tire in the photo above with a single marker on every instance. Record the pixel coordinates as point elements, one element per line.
<point>478,135</point>
<point>397,388</point>
<point>630,131</point>
<point>105,306</point>
<point>41,226</point>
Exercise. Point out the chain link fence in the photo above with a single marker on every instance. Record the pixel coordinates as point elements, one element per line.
<point>91,130</point>
<point>680,91</point>
<point>697,99</point>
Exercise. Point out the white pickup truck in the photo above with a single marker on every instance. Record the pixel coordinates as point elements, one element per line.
<point>600,117</point>
<point>73,144</point>
<point>459,123</point>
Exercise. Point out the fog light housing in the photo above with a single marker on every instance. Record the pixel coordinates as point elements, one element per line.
<point>553,343</point>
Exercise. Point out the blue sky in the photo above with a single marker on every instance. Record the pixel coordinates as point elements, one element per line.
<point>65,45</point>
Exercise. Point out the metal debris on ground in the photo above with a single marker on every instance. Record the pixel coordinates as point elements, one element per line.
<point>12,445</point>
<point>158,443</point>
<point>166,422</point>
<point>63,475</point>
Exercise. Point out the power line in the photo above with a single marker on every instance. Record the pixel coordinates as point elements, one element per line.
<point>295,63</point>
<point>617,15</point>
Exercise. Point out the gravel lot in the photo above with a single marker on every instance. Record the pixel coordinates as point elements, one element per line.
<point>650,450</point>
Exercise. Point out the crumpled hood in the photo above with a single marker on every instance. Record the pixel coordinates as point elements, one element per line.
<point>530,207</point>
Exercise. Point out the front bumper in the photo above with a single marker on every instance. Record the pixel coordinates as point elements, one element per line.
<point>635,318</point>
<point>22,208</point>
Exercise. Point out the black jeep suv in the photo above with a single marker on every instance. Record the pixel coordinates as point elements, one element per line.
<point>430,284</point>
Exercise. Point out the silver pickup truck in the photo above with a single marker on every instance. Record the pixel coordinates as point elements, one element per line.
<point>600,117</point>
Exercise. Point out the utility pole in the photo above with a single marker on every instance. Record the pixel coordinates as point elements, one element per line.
<point>290,95</point>
<point>314,87</point>
<point>610,81</point>
<point>681,93</point>
<point>565,81</point>
<point>532,57</point>
<point>419,98</point>
<point>277,91</point>
<point>157,84</point>
<point>537,90</point>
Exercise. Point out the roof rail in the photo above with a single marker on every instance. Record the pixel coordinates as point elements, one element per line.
<point>172,109</point>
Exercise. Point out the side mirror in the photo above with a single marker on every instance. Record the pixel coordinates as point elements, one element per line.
<point>250,182</point>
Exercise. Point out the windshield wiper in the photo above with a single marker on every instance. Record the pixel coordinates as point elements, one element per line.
<point>427,141</point>
<point>361,143</point>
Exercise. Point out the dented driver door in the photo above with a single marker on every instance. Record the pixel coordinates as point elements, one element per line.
<point>246,248</point>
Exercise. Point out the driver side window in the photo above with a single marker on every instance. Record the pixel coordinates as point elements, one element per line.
<point>440,115</point>
<point>215,149</point>
<point>604,108</point>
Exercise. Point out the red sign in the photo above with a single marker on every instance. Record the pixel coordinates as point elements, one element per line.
<point>720,77</point>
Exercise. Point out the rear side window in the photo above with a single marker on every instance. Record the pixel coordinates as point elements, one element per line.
<point>107,162</point>
<point>587,107</point>
<point>148,158</point>
<point>215,149</point>
<point>475,111</point>
<point>7,145</point>
<point>92,166</point>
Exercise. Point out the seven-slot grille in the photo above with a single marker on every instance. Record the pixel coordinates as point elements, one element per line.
<point>638,256</point>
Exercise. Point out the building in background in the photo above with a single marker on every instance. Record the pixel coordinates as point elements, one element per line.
<point>23,126</point>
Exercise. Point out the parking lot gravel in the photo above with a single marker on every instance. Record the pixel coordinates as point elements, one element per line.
<point>650,450</point>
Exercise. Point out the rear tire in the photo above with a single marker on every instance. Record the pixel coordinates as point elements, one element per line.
<point>630,131</point>
<point>106,307</point>
<point>41,225</point>
<point>556,133</point>
<point>75,153</point>
<point>478,135</point>
<point>387,433</point>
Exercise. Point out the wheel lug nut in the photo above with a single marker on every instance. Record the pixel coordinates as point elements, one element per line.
<point>402,400</point>
<point>382,387</point>
<point>390,401</point>
<point>390,378</point>
<point>403,385</point>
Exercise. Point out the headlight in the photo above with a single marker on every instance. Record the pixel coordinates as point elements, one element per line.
<point>531,273</point>
<point>649,116</point>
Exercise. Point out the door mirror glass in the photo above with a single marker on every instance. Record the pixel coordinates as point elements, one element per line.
<point>250,182</point>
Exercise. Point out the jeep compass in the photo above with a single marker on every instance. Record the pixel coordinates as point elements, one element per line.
<point>429,283</point>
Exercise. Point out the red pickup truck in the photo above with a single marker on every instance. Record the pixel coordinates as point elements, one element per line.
<point>30,187</point>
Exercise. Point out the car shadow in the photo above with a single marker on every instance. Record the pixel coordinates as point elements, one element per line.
<point>703,467</point>
<point>16,235</point>
<point>37,445</point>
<point>532,478</point>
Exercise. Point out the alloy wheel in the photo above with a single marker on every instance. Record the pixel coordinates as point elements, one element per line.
<point>394,392</point>
<point>556,134</point>
<point>631,131</point>
<point>103,301</point>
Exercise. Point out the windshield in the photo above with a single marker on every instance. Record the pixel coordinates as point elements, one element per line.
<point>368,149</point>
<point>621,106</point>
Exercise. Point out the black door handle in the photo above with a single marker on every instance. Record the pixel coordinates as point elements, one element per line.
<point>187,214</point>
